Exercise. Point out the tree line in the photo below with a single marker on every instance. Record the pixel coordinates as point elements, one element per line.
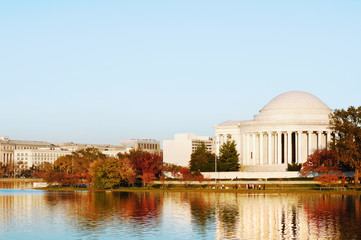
<point>92,167</point>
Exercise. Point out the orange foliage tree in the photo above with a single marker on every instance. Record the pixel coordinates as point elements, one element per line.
<point>347,138</point>
<point>76,165</point>
<point>187,176</point>
<point>323,162</point>
<point>146,165</point>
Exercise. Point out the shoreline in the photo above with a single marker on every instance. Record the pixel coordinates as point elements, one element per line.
<point>201,190</point>
<point>276,187</point>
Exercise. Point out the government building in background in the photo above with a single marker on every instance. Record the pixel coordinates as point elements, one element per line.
<point>149,145</point>
<point>287,129</point>
<point>179,150</point>
<point>27,154</point>
<point>8,148</point>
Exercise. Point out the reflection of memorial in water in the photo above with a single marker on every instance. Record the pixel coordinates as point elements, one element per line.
<point>202,215</point>
<point>288,216</point>
<point>261,217</point>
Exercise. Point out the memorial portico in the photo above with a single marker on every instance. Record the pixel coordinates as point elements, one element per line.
<point>289,128</point>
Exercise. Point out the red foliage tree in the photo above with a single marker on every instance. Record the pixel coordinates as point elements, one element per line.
<point>144,163</point>
<point>61,178</point>
<point>173,169</point>
<point>186,176</point>
<point>323,162</point>
<point>147,178</point>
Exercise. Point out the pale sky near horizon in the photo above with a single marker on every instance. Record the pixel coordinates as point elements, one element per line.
<point>104,71</point>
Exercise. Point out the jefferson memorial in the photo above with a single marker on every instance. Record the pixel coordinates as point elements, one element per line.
<point>286,130</point>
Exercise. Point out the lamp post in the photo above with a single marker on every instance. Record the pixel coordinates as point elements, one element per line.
<point>215,165</point>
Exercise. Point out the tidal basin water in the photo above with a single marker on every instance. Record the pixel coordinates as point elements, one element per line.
<point>34,214</point>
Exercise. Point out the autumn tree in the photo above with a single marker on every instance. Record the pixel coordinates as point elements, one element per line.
<point>77,163</point>
<point>53,176</point>
<point>40,169</point>
<point>228,157</point>
<point>2,170</point>
<point>65,163</point>
<point>172,168</point>
<point>346,125</point>
<point>110,172</point>
<point>325,164</point>
<point>186,176</point>
<point>146,165</point>
<point>202,159</point>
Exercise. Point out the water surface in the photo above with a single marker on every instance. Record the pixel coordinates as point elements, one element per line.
<point>32,214</point>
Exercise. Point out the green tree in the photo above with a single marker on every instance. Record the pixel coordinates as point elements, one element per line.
<point>228,157</point>
<point>347,138</point>
<point>202,159</point>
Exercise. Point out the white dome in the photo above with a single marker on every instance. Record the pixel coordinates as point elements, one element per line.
<point>294,106</point>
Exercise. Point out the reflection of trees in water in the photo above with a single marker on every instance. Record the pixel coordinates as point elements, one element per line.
<point>228,215</point>
<point>202,210</point>
<point>335,215</point>
<point>206,207</point>
<point>92,212</point>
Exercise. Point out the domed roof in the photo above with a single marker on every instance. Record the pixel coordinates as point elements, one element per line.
<point>294,106</point>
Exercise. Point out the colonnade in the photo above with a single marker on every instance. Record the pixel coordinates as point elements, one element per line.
<point>7,158</point>
<point>281,147</point>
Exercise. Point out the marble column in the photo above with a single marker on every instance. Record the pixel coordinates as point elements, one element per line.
<point>279,149</point>
<point>261,148</point>
<point>319,144</point>
<point>269,148</point>
<point>299,149</point>
<point>289,147</point>
<point>328,139</point>
<point>248,150</point>
<point>253,149</point>
<point>309,136</point>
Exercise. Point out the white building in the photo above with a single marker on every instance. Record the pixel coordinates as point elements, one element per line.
<point>8,146</point>
<point>287,129</point>
<point>33,157</point>
<point>114,153</point>
<point>71,146</point>
<point>179,150</point>
<point>149,145</point>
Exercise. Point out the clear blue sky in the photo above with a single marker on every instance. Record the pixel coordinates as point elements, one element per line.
<point>103,71</point>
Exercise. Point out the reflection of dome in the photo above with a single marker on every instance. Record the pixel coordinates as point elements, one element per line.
<point>294,106</point>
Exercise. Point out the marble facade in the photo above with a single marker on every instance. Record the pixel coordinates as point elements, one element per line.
<point>286,130</point>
